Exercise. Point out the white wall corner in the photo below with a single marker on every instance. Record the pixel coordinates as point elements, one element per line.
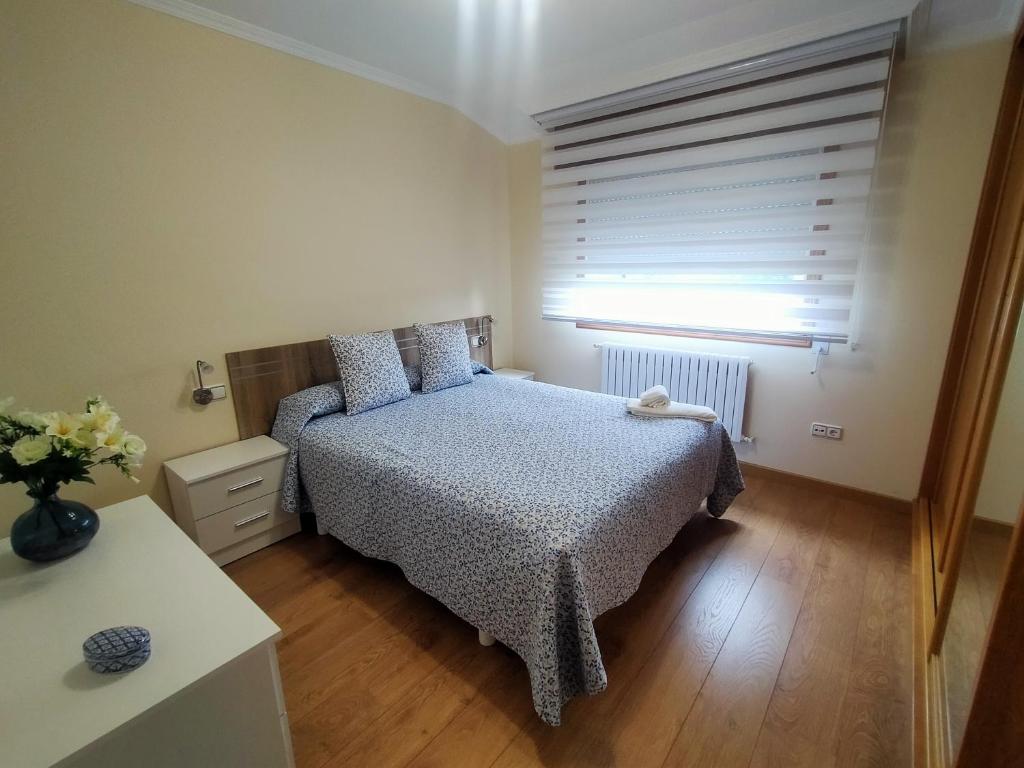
<point>857,18</point>
<point>1004,24</point>
<point>197,14</point>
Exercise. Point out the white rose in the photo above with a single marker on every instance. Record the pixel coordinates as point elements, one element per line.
<point>134,448</point>
<point>30,419</point>
<point>29,450</point>
<point>134,445</point>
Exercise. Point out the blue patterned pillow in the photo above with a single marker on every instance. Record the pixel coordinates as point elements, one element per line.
<point>370,369</point>
<point>444,356</point>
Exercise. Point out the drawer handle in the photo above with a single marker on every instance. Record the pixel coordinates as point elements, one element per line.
<point>246,484</point>
<point>252,519</point>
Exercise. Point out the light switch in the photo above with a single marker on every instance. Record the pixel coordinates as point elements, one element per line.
<point>219,391</point>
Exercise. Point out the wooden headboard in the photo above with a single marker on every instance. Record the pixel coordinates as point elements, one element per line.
<point>261,377</point>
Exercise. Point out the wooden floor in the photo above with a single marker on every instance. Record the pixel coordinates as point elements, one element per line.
<point>777,636</point>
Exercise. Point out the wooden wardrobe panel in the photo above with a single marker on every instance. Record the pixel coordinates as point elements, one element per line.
<point>985,360</point>
<point>1003,288</point>
<point>967,359</point>
<point>994,734</point>
<point>976,366</point>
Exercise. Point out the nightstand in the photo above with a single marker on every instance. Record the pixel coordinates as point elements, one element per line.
<point>228,499</point>
<point>515,373</point>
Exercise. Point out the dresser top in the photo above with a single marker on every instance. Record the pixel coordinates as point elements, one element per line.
<point>217,461</point>
<point>140,569</point>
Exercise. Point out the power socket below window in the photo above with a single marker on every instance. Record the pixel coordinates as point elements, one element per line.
<point>830,431</point>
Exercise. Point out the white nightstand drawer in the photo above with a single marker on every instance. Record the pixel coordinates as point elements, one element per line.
<point>236,487</point>
<point>227,499</point>
<point>242,522</point>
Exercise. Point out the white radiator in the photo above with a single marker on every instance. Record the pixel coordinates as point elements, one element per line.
<point>717,381</point>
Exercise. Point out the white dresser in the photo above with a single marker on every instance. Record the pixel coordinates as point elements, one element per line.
<point>228,499</point>
<point>210,694</point>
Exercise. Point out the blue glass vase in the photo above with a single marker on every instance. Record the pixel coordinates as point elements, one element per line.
<point>53,529</point>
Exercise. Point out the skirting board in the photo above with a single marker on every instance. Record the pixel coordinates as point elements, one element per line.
<point>991,525</point>
<point>902,506</point>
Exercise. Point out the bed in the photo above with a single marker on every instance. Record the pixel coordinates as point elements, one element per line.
<point>527,509</point>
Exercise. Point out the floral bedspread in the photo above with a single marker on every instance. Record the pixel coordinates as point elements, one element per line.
<point>527,509</point>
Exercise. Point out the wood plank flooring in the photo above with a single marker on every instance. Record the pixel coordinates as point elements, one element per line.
<point>776,636</point>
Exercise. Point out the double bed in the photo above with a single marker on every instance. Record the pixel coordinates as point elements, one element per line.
<point>527,509</point>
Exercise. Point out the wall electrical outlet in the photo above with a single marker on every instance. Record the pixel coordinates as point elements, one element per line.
<point>219,391</point>
<point>830,431</point>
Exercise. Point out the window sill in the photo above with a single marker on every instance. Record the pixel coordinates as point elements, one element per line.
<point>802,342</point>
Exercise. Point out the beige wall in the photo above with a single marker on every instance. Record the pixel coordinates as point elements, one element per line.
<point>936,143</point>
<point>169,192</point>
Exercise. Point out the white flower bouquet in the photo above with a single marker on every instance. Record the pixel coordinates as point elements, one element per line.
<point>43,450</point>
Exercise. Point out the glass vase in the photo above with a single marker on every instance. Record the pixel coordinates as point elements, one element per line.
<point>53,529</point>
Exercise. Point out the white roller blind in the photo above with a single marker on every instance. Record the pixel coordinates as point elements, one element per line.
<point>733,200</point>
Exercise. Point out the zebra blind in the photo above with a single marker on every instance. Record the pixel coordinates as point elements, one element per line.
<point>734,200</point>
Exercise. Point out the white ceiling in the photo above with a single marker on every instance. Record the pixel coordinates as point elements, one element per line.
<point>498,61</point>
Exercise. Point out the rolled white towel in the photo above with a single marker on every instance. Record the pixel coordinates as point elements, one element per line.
<point>655,397</point>
<point>672,411</point>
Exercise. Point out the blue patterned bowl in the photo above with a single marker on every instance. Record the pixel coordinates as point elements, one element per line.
<point>118,649</point>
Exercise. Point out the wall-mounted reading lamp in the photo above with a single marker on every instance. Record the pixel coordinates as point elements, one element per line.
<point>820,350</point>
<point>202,394</point>
<point>481,339</point>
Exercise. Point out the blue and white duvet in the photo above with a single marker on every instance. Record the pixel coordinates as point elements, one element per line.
<point>527,509</point>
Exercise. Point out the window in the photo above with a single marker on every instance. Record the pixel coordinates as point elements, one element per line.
<point>732,200</point>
